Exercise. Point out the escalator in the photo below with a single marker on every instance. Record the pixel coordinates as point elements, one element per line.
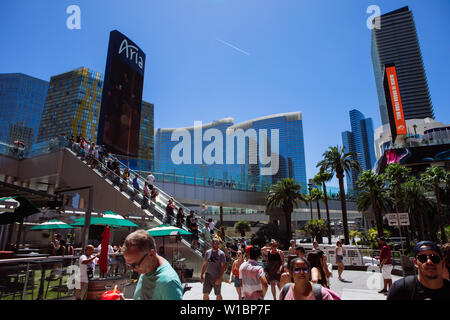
<point>157,209</point>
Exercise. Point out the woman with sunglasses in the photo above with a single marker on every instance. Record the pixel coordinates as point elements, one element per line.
<point>235,272</point>
<point>303,288</point>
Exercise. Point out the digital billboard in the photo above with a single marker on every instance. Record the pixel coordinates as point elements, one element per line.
<point>394,102</point>
<point>120,115</point>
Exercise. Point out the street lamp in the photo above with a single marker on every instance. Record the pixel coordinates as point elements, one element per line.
<point>310,200</point>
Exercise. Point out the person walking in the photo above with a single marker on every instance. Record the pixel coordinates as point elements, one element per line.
<point>291,250</point>
<point>86,263</point>
<point>428,284</point>
<point>170,211</point>
<point>213,269</point>
<point>234,275</point>
<point>150,180</point>
<point>339,251</point>
<point>303,288</point>
<point>317,272</point>
<point>157,280</point>
<point>180,218</point>
<point>251,276</point>
<point>275,259</point>
<point>385,264</point>
<point>146,195</point>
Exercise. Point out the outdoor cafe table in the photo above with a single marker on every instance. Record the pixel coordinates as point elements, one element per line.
<point>45,265</point>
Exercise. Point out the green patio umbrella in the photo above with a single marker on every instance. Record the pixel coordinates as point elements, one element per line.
<point>166,230</point>
<point>52,225</point>
<point>110,219</point>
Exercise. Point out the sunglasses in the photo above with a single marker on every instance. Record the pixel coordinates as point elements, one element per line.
<point>136,265</point>
<point>297,270</point>
<point>433,258</point>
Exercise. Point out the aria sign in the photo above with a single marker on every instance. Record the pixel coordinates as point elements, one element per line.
<point>132,53</point>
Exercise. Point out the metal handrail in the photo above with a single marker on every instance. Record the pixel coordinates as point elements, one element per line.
<point>202,222</point>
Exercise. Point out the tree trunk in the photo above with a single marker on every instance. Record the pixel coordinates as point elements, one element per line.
<point>328,212</point>
<point>439,210</point>
<point>400,207</point>
<point>318,208</point>
<point>344,208</point>
<point>287,216</point>
<point>376,213</point>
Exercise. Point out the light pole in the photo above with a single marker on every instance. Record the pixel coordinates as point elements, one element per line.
<point>310,200</point>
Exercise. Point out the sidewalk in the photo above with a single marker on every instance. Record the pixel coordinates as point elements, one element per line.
<point>363,286</point>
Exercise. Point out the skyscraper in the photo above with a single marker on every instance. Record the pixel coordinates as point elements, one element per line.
<point>72,105</point>
<point>396,42</point>
<point>22,100</point>
<point>251,170</point>
<point>360,141</point>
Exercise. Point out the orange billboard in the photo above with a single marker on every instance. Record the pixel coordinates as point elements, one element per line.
<point>396,100</point>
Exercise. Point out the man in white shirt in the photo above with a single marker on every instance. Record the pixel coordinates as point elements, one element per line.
<point>150,180</point>
<point>87,266</point>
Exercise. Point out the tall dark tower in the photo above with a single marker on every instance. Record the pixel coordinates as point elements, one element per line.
<point>120,115</point>
<point>396,42</point>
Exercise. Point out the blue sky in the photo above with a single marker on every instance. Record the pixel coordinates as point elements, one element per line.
<point>308,56</point>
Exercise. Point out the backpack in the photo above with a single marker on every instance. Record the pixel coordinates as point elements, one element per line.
<point>317,289</point>
<point>409,285</point>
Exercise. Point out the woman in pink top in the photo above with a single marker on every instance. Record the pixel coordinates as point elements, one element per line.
<point>303,288</point>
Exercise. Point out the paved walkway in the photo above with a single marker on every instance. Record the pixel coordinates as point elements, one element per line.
<point>363,286</point>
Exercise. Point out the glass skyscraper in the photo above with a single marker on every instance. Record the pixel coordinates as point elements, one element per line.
<point>72,105</point>
<point>251,170</point>
<point>360,141</point>
<point>22,100</point>
<point>147,131</point>
<point>397,42</point>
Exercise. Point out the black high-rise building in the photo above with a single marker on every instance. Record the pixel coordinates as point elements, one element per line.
<point>396,42</point>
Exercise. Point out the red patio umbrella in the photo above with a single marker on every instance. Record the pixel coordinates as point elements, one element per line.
<point>103,261</point>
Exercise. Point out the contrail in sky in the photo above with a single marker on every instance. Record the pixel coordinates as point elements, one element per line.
<point>234,47</point>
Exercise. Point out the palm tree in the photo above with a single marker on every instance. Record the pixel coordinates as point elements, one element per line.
<point>432,177</point>
<point>337,161</point>
<point>416,203</point>
<point>373,183</point>
<point>242,227</point>
<point>316,195</point>
<point>285,195</point>
<point>397,174</point>
<point>320,178</point>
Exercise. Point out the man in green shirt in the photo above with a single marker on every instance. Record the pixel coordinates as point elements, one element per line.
<point>158,280</point>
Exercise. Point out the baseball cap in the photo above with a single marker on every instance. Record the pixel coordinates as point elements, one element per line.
<point>426,245</point>
<point>247,249</point>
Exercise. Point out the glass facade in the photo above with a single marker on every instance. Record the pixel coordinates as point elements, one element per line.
<point>22,100</point>
<point>147,128</point>
<point>72,105</point>
<point>360,141</point>
<point>250,169</point>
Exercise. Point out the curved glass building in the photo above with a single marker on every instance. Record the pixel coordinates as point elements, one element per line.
<point>256,152</point>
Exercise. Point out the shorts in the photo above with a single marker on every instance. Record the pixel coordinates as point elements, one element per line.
<point>81,294</point>
<point>209,283</point>
<point>237,283</point>
<point>386,270</point>
<point>340,258</point>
